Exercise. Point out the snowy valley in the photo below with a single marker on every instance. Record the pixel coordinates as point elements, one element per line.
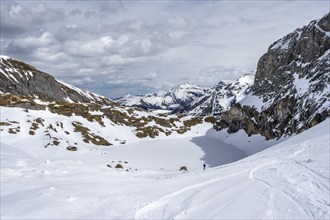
<point>264,138</point>
<point>288,180</point>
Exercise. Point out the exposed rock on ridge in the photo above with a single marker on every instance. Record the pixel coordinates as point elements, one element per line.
<point>19,78</point>
<point>292,80</point>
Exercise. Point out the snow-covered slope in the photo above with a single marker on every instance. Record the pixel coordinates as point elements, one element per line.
<point>62,125</point>
<point>61,158</point>
<point>19,78</point>
<point>289,180</point>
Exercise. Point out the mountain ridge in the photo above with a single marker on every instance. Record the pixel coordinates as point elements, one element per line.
<point>191,99</point>
<point>20,78</point>
<point>289,93</point>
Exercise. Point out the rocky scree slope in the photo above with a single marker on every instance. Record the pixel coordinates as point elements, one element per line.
<point>19,78</point>
<point>291,83</point>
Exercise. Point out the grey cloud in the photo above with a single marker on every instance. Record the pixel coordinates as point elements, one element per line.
<point>178,22</point>
<point>38,46</point>
<point>128,26</point>
<point>76,33</point>
<point>17,19</point>
<point>128,39</point>
<point>76,11</point>
<point>42,14</point>
<point>146,46</point>
<point>209,75</point>
<point>82,81</point>
<point>89,14</point>
<point>111,7</point>
<point>11,29</point>
<point>124,84</point>
<point>12,23</point>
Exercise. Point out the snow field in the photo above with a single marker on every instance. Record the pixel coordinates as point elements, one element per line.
<point>289,180</point>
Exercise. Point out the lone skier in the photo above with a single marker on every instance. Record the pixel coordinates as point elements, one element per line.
<point>204,165</point>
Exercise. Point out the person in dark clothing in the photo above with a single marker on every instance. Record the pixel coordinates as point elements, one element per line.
<point>204,165</point>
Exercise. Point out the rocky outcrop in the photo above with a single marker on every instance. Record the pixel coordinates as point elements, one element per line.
<point>292,80</point>
<point>22,79</point>
<point>304,53</point>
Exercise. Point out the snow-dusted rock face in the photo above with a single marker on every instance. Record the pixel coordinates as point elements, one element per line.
<point>291,87</point>
<point>176,100</point>
<point>302,55</point>
<point>221,97</point>
<point>19,78</point>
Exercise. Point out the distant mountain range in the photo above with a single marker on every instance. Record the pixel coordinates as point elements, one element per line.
<point>288,94</point>
<point>194,100</point>
<point>177,99</point>
<point>69,153</point>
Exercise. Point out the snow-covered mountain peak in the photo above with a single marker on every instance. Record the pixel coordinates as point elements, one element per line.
<point>246,79</point>
<point>222,83</point>
<point>177,99</point>
<point>3,57</point>
<point>185,92</point>
<point>186,85</point>
<point>14,70</point>
<point>160,93</point>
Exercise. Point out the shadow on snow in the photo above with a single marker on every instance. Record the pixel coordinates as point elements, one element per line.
<point>216,152</point>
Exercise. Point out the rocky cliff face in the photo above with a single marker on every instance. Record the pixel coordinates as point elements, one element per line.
<point>291,86</point>
<point>19,78</point>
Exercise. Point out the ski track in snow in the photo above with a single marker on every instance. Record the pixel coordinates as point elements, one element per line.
<point>306,201</point>
<point>143,212</point>
<point>287,181</point>
<point>302,201</point>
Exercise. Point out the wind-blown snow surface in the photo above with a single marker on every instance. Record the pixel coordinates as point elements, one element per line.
<point>289,180</point>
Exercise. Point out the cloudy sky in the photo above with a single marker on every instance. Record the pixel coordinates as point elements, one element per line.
<point>120,47</point>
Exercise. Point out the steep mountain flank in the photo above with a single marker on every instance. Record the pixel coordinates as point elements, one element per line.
<point>291,87</point>
<point>19,78</point>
